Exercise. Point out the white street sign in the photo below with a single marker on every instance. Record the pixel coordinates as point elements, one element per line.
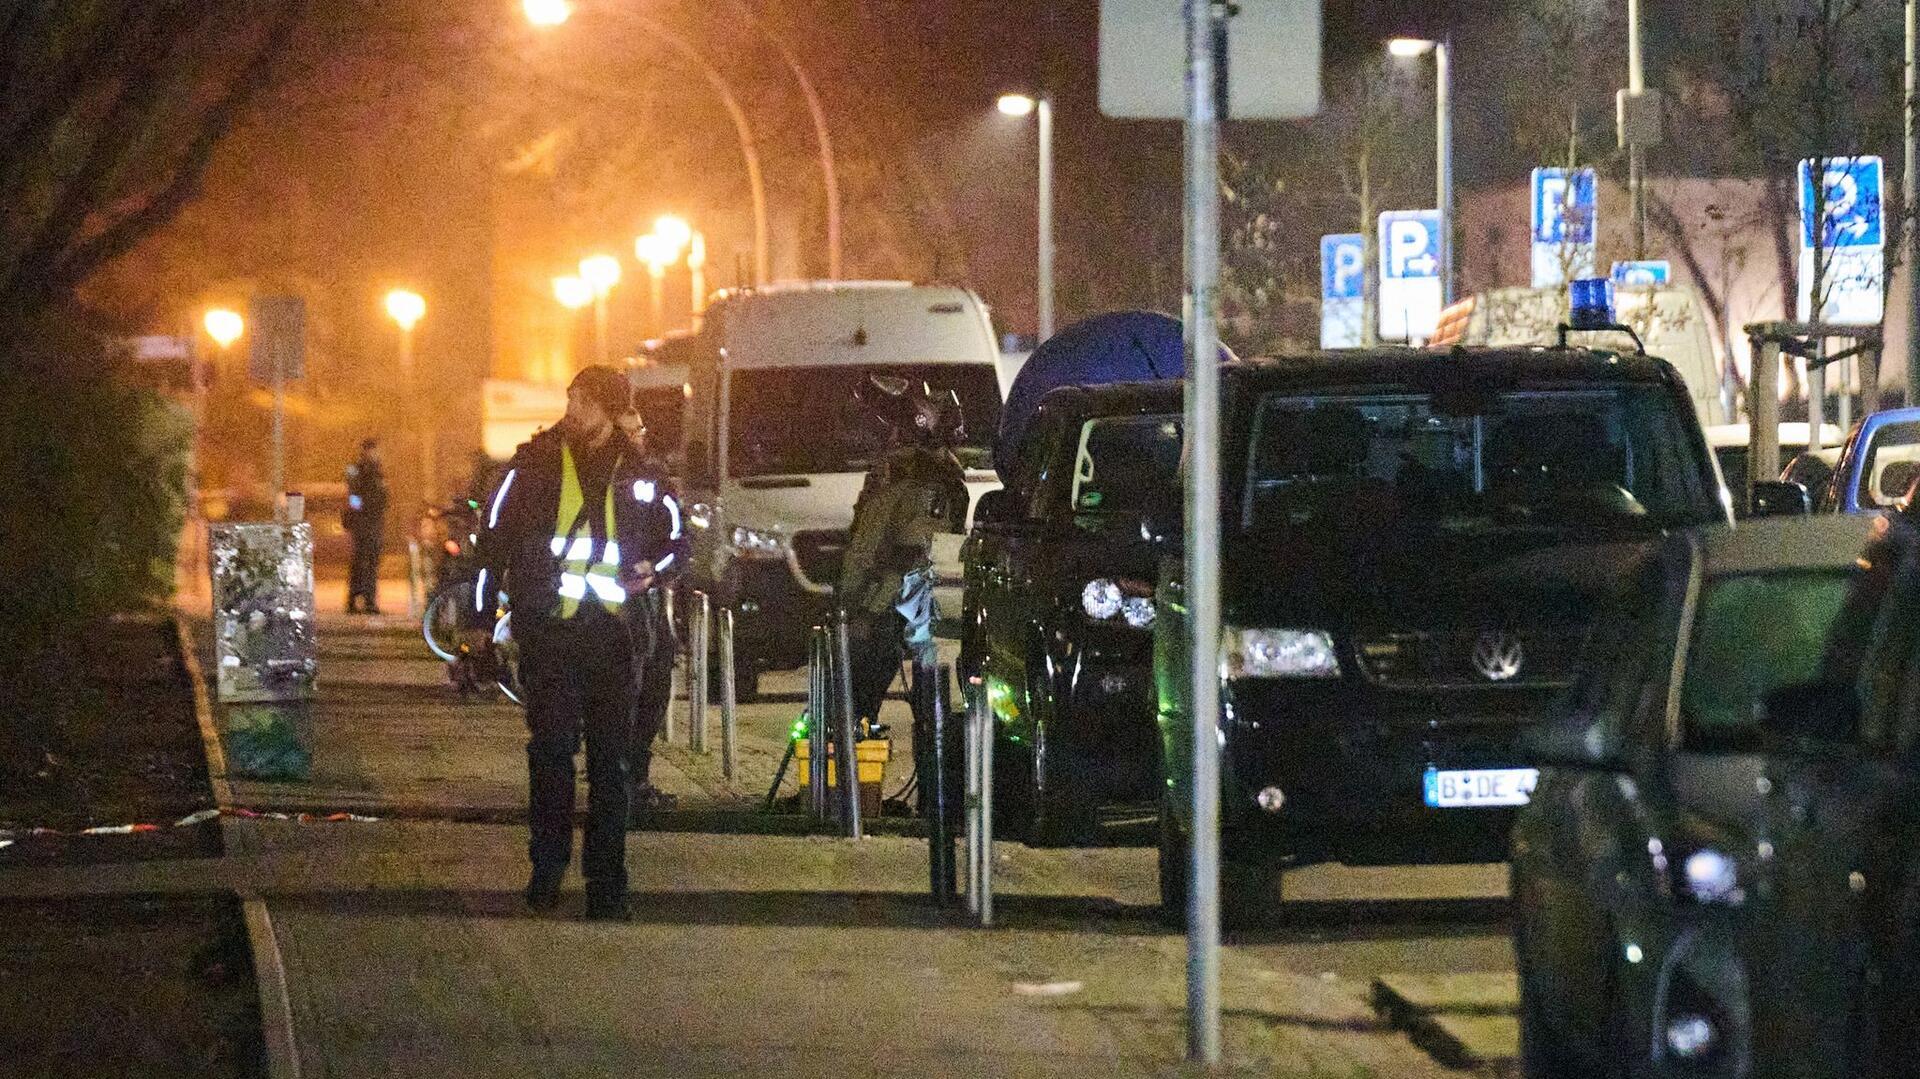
<point>1273,59</point>
<point>1343,286</point>
<point>1647,273</point>
<point>1855,286</point>
<point>1409,274</point>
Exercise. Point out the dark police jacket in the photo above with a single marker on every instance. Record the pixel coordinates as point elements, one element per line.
<point>366,497</point>
<point>519,517</point>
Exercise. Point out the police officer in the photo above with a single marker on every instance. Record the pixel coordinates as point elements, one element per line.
<point>916,490</point>
<point>365,519</point>
<point>573,531</point>
<point>654,642</point>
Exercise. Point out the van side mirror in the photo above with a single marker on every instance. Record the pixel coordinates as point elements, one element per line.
<point>1775,498</point>
<point>1812,712</point>
<point>996,509</point>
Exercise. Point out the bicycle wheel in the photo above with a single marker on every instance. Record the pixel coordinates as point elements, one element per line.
<point>440,625</point>
<point>506,658</point>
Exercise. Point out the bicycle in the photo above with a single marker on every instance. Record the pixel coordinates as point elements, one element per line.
<point>471,673</point>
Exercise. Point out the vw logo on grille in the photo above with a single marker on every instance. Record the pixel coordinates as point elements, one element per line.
<point>1497,655</point>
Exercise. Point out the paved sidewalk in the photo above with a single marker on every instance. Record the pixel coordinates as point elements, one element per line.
<point>408,953</point>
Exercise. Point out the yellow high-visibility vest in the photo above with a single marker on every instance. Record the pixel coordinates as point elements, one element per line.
<point>582,569</point>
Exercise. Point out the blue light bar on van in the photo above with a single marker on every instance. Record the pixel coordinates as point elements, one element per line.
<point>1591,303</point>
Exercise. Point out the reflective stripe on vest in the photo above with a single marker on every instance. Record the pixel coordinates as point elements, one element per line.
<point>580,571</point>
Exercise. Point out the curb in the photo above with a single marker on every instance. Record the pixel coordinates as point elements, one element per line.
<point>269,972</point>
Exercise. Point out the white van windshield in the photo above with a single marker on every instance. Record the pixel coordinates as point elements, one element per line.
<point>794,420</point>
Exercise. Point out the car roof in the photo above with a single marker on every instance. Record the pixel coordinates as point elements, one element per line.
<point>1116,398</point>
<point>1415,367</point>
<point>1769,544</point>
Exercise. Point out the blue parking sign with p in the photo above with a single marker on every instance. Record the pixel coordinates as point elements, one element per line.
<point>1563,206</point>
<point>1343,266</point>
<point>1848,202</point>
<point>1410,244</point>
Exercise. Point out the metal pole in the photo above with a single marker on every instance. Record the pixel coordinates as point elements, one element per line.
<point>828,174</point>
<point>932,686</point>
<point>986,817</point>
<point>676,669</point>
<point>1443,160</point>
<point>279,437</point>
<point>698,682</point>
<point>817,711</point>
<point>729,731</point>
<point>1044,114</point>
<point>1816,395</point>
<point>848,767</point>
<point>1910,207</point>
<point>1636,161</point>
<point>970,748</point>
<point>1203,528</point>
<point>1763,406</point>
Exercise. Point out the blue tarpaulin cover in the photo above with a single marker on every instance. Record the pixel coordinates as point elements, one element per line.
<point>1121,346</point>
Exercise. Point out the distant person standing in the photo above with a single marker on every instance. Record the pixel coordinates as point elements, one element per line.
<point>365,518</point>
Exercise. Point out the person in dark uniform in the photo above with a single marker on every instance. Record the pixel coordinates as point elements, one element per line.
<point>365,519</point>
<point>655,645</point>
<point>572,533</point>
<point>886,583</point>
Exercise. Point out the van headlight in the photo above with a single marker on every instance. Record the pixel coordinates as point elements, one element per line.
<point>759,543</point>
<point>1712,876</point>
<point>1279,653</point>
<point>1102,599</point>
<point>1138,611</point>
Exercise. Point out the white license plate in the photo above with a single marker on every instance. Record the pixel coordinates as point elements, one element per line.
<point>1480,787</point>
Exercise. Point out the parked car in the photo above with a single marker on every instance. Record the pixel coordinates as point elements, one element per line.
<point>1719,872</point>
<point>1878,465</point>
<point>1058,607</point>
<point>1729,442</point>
<point>1413,550</point>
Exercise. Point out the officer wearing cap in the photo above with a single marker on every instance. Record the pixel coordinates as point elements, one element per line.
<point>916,490</point>
<point>573,532</point>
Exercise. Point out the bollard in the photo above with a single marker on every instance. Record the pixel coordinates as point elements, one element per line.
<point>847,747</point>
<point>415,584</point>
<point>817,712</point>
<point>728,720</point>
<point>697,673</point>
<point>970,748</point>
<point>940,867</point>
<point>676,675</point>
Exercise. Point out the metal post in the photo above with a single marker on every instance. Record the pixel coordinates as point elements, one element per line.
<point>818,680</point>
<point>1044,115</point>
<point>1636,160</point>
<point>1443,159</point>
<point>1816,396</point>
<point>970,747</point>
<point>1910,206</point>
<point>1203,529</point>
<point>986,817</point>
<point>933,690</point>
<point>847,748</point>
<point>1763,407</point>
<point>279,437</point>
<point>676,670</point>
<point>697,674</point>
<point>729,730</point>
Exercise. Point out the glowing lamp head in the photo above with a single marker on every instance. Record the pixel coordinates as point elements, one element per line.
<point>225,326</point>
<point>572,291</point>
<point>546,13</point>
<point>1017,104</point>
<point>600,271</point>
<point>673,231</point>
<point>1409,47</point>
<point>653,253</point>
<point>406,307</point>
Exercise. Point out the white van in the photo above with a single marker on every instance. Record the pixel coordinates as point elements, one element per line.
<point>776,446</point>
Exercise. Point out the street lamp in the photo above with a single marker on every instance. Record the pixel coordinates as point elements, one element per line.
<point>656,253</point>
<point>546,13</point>
<point>1409,48</point>
<point>1019,105</point>
<point>572,291</point>
<point>406,308</point>
<point>225,326</point>
<point>601,272</point>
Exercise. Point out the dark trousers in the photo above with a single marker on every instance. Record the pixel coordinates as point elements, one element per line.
<point>363,578</point>
<point>877,643</point>
<point>579,679</point>
<point>654,652</point>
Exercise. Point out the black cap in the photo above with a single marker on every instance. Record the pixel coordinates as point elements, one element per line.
<point>606,385</point>
<point>368,443</point>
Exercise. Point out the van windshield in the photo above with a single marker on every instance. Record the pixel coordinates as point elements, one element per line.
<point>1575,459</point>
<point>790,420</point>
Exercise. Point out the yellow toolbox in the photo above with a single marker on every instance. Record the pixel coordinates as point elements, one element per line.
<point>872,755</point>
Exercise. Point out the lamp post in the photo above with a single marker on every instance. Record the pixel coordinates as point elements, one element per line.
<point>1042,111</point>
<point>601,273</point>
<point>653,253</point>
<point>407,308</point>
<point>1408,48</point>
<point>225,326</point>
